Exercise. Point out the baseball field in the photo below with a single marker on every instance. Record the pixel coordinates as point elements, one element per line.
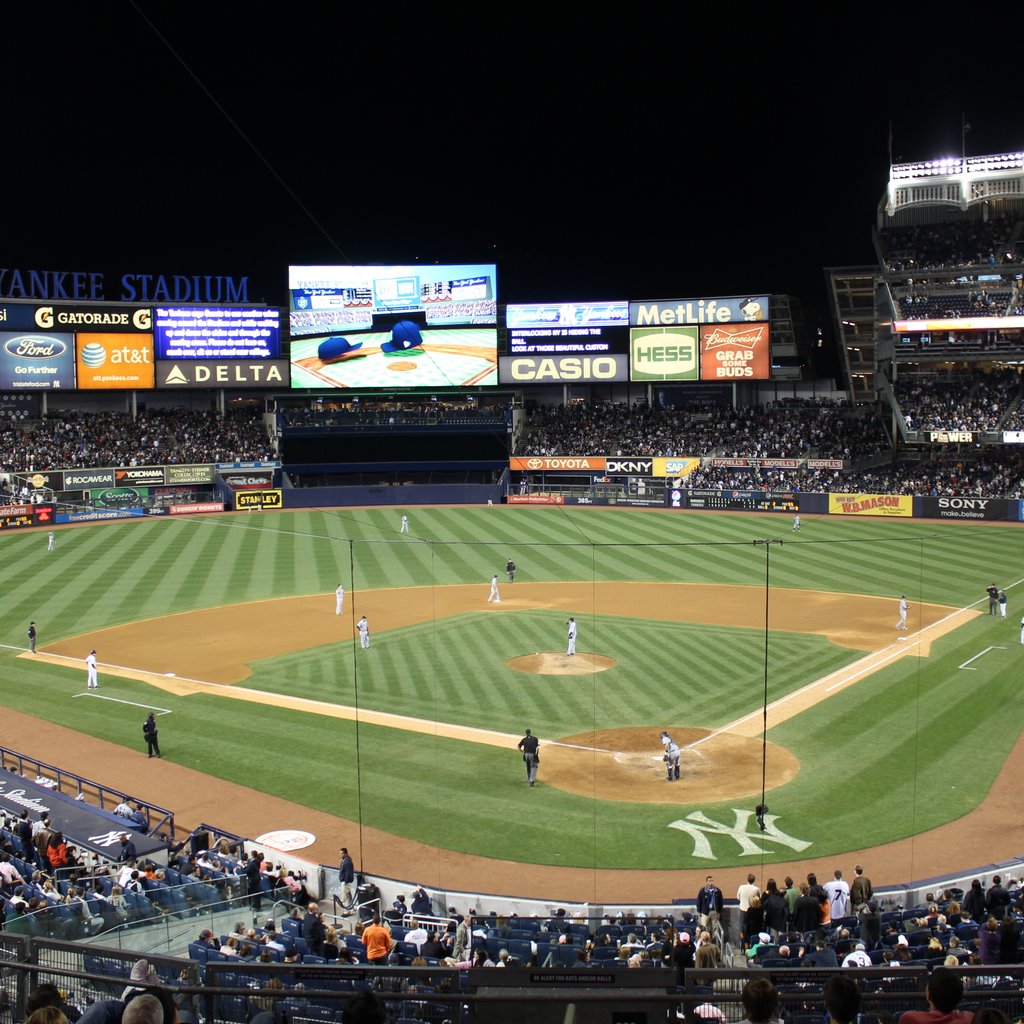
<point>770,656</point>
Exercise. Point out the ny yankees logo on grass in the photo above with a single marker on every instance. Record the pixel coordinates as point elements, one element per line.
<point>698,826</point>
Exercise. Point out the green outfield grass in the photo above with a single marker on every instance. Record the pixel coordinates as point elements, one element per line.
<point>919,742</point>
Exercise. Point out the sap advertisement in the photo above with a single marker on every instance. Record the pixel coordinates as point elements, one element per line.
<point>393,327</point>
<point>32,361</point>
<point>198,332</point>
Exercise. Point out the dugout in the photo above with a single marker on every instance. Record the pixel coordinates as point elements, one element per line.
<point>547,995</point>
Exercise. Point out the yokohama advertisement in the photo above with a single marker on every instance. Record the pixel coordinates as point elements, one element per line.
<point>966,508</point>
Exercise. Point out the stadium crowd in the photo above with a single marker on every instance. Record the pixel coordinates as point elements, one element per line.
<point>176,436</point>
<point>967,400</point>
<point>776,431</point>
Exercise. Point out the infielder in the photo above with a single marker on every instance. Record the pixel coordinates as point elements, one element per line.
<point>405,525</point>
<point>902,624</point>
<point>1002,603</point>
<point>494,595</point>
<point>530,746</point>
<point>90,666</point>
<point>671,758</point>
<point>339,599</point>
<point>364,633</point>
<point>571,630</point>
<point>51,541</point>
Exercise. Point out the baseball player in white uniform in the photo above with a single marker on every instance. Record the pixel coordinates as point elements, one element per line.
<point>339,599</point>
<point>671,758</point>
<point>405,525</point>
<point>796,524</point>
<point>902,624</point>
<point>494,595</point>
<point>90,666</point>
<point>51,542</point>
<point>571,631</point>
<point>364,633</point>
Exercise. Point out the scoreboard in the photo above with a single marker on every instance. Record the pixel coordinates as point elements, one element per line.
<point>16,517</point>
<point>739,501</point>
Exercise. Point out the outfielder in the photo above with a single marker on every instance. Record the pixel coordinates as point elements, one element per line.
<point>493,595</point>
<point>796,524</point>
<point>571,630</point>
<point>90,667</point>
<point>364,633</point>
<point>405,525</point>
<point>339,599</point>
<point>51,541</point>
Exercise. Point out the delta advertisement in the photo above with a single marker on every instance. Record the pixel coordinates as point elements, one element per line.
<point>900,505</point>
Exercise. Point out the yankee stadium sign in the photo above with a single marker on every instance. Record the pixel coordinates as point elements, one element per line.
<point>91,286</point>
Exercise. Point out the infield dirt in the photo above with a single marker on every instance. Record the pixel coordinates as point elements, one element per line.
<point>724,764</point>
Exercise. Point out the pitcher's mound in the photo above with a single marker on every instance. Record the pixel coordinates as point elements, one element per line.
<point>561,664</point>
<point>626,765</point>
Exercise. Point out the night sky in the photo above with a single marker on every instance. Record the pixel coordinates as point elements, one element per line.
<point>621,156</point>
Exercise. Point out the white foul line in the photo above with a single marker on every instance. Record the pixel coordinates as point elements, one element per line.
<point>849,674</point>
<point>978,655</point>
<point>118,700</point>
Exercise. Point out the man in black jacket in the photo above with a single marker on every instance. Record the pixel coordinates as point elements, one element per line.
<point>997,899</point>
<point>313,930</point>
<point>709,899</point>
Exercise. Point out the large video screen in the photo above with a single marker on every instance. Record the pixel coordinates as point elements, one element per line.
<point>393,327</point>
<point>329,300</point>
<point>563,327</point>
<point>405,355</point>
<point>202,332</point>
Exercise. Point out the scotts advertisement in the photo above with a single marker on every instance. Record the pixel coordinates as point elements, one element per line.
<point>735,352</point>
<point>36,362</point>
<point>118,497</point>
